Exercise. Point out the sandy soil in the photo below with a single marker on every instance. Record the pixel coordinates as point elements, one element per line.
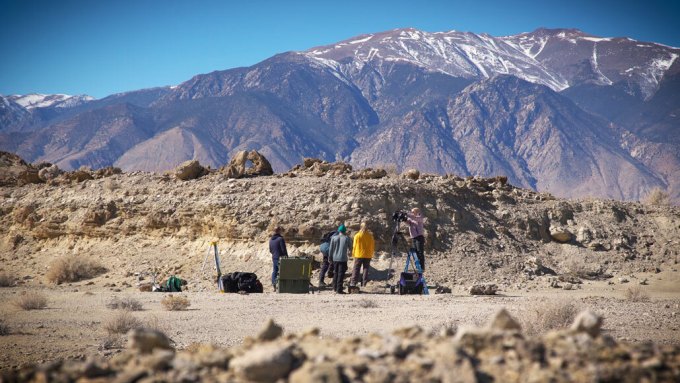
<point>72,324</point>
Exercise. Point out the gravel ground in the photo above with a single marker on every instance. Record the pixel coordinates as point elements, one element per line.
<point>72,325</point>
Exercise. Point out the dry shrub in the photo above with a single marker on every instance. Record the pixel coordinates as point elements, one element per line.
<point>636,294</point>
<point>111,185</point>
<point>7,280</point>
<point>4,329</point>
<point>175,302</point>
<point>391,170</point>
<point>127,303</point>
<point>73,268</point>
<point>447,328</point>
<point>657,197</point>
<point>367,304</point>
<point>31,300</point>
<point>582,264</point>
<point>121,323</point>
<point>112,342</point>
<point>550,316</point>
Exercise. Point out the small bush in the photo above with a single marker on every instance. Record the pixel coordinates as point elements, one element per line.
<point>657,197</point>
<point>112,342</point>
<point>175,302</point>
<point>4,329</point>
<point>31,301</point>
<point>367,304</point>
<point>73,268</point>
<point>129,304</point>
<point>111,185</point>
<point>550,316</point>
<point>447,328</point>
<point>7,280</point>
<point>636,294</point>
<point>121,323</point>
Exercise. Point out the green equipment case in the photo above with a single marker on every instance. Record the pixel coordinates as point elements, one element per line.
<point>294,275</point>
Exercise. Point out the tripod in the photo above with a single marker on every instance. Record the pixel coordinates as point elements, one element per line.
<point>396,234</point>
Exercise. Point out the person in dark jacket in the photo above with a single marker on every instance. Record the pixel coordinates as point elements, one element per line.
<point>277,247</point>
<point>326,263</point>
<point>338,251</point>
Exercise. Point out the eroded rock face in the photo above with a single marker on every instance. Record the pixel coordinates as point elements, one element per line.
<point>247,164</point>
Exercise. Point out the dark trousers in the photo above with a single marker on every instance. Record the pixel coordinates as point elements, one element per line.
<point>356,270</point>
<point>275,271</point>
<point>419,245</point>
<point>325,265</point>
<point>340,268</point>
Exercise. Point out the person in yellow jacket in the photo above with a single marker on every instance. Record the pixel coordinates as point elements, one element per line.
<point>362,251</point>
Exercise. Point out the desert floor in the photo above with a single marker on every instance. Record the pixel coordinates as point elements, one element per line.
<point>72,325</point>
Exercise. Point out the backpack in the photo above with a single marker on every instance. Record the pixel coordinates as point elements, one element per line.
<point>174,284</point>
<point>327,237</point>
<point>239,281</point>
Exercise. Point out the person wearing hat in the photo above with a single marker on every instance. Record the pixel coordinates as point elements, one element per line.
<point>277,248</point>
<point>416,230</point>
<point>362,251</point>
<point>338,252</point>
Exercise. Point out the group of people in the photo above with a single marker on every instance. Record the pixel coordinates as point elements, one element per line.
<point>337,247</point>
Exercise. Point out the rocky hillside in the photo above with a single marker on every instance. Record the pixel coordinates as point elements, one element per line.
<point>478,229</point>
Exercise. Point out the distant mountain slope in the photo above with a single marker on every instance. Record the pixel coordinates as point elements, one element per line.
<point>555,109</point>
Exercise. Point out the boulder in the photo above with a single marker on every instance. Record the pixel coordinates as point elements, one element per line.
<point>190,170</point>
<point>145,341</point>
<point>483,289</point>
<point>560,234</point>
<point>247,164</point>
<point>412,174</point>
<point>49,173</point>
<point>264,363</point>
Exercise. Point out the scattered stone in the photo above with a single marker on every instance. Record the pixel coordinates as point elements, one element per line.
<point>270,331</point>
<point>560,234</point>
<point>644,281</point>
<point>587,322</point>
<point>623,280</point>
<point>503,321</point>
<point>483,289</point>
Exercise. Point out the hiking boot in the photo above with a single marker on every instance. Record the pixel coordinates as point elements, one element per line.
<point>322,284</point>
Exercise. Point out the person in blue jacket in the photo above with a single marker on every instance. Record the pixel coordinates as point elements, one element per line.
<point>277,248</point>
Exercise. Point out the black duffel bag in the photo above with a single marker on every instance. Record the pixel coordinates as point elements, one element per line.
<point>240,281</point>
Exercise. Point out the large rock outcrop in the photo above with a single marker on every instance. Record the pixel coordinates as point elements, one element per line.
<point>247,164</point>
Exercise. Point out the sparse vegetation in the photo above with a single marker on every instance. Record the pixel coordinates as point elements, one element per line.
<point>550,316</point>
<point>111,342</point>
<point>636,294</point>
<point>4,328</point>
<point>367,304</point>
<point>129,304</point>
<point>447,328</point>
<point>111,185</point>
<point>73,268</point>
<point>7,280</point>
<point>31,300</point>
<point>175,302</point>
<point>121,323</point>
<point>657,197</point>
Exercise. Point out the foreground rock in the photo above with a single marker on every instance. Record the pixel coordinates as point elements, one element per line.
<point>496,352</point>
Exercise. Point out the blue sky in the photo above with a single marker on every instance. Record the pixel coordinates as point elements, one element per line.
<point>104,47</point>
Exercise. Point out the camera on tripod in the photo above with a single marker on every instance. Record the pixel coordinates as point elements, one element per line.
<point>399,216</point>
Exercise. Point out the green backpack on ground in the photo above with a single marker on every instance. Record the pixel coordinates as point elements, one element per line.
<point>174,284</point>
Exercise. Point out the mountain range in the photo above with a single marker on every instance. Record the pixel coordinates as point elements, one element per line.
<point>556,110</point>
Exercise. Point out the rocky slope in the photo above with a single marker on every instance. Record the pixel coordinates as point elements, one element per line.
<point>477,229</point>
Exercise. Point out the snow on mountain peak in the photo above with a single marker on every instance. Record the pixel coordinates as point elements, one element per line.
<point>36,100</point>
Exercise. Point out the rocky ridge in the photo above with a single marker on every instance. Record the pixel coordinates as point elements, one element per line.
<point>477,229</point>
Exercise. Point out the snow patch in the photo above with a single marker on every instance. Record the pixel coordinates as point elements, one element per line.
<point>360,40</point>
